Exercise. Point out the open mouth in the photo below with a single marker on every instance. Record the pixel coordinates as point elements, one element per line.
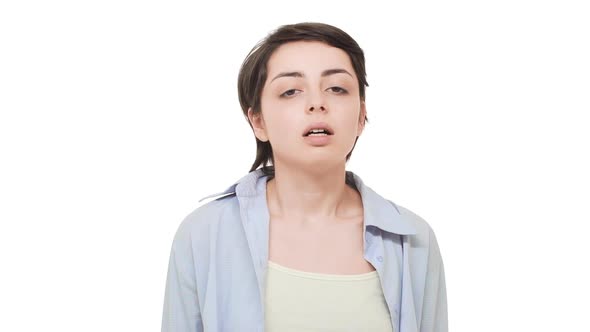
<point>318,132</point>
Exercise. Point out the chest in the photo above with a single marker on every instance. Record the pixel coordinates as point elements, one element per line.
<point>327,247</point>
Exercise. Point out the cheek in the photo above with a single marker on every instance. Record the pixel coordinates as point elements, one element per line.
<point>351,121</point>
<point>279,121</point>
<point>282,110</point>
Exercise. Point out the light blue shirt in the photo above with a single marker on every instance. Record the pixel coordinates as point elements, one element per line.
<point>219,256</point>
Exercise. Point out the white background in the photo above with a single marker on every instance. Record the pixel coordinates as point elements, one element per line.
<point>117,116</point>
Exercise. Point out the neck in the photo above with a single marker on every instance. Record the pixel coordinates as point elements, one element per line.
<point>310,198</point>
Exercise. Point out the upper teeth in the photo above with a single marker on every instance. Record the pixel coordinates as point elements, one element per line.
<point>317,131</point>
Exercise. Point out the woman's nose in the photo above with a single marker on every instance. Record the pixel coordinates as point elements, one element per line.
<point>316,102</point>
<point>313,108</point>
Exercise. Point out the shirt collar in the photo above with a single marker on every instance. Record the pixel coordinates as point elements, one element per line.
<point>378,211</point>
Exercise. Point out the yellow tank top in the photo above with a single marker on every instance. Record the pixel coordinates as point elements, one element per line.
<point>304,301</point>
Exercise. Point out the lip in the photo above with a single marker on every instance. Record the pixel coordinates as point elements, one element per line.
<point>318,140</point>
<point>318,125</point>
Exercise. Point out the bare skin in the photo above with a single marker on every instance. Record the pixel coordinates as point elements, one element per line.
<point>332,246</point>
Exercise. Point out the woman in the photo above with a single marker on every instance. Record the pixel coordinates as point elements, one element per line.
<point>302,244</point>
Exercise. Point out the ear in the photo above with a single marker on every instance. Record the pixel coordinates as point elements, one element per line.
<point>258,125</point>
<point>361,122</point>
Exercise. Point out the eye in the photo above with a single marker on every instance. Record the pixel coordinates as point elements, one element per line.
<point>287,94</point>
<point>339,90</point>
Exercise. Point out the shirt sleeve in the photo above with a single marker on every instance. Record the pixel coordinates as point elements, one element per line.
<point>434,311</point>
<point>181,307</point>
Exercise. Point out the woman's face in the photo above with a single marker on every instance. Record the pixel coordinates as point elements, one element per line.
<point>308,94</point>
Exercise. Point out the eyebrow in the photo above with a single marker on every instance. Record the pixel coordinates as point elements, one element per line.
<point>325,73</point>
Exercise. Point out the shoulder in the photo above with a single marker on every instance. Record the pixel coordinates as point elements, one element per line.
<point>200,221</point>
<point>425,236</point>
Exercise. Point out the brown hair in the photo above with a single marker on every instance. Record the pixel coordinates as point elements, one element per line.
<point>253,73</point>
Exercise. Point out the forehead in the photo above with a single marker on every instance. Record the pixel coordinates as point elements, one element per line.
<point>307,56</point>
